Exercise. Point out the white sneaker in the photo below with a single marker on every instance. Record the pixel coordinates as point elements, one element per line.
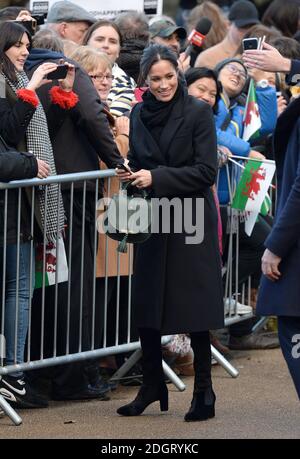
<point>231,306</point>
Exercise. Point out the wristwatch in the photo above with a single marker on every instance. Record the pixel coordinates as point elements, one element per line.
<point>262,84</point>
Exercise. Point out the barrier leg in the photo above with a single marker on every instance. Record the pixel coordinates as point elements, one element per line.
<point>134,358</point>
<point>11,413</point>
<point>259,325</point>
<point>129,363</point>
<point>224,363</point>
<point>172,376</point>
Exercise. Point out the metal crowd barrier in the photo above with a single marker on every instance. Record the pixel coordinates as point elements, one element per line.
<point>59,340</point>
<point>82,340</point>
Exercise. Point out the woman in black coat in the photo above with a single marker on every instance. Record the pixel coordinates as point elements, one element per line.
<point>177,275</point>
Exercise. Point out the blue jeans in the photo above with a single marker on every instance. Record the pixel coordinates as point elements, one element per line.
<point>12,310</point>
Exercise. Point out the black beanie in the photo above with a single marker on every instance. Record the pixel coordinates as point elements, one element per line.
<point>222,64</point>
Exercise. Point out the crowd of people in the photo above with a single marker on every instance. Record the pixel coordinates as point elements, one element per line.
<point>134,94</point>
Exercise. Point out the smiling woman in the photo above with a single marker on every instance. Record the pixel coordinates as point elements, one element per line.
<point>173,153</point>
<point>106,37</point>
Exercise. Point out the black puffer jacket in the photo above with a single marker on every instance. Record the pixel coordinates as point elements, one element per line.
<point>15,166</point>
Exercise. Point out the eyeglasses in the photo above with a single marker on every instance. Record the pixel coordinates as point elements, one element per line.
<point>233,69</point>
<point>101,78</point>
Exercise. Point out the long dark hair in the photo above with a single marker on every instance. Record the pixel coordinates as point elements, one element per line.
<point>97,25</point>
<point>10,34</point>
<point>153,54</point>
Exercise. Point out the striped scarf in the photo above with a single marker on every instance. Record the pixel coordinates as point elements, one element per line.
<point>39,143</point>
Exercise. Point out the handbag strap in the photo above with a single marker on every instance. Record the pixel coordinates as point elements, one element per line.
<point>126,185</point>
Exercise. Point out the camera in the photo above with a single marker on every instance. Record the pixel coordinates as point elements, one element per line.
<point>40,19</point>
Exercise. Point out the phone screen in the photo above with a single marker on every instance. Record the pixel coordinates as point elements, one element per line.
<point>59,74</point>
<point>250,43</point>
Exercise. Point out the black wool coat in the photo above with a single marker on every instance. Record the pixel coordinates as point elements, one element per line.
<point>282,298</point>
<point>177,286</point>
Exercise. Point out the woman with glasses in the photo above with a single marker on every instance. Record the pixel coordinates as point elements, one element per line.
<point>233,76</point>
<point>106,37</point>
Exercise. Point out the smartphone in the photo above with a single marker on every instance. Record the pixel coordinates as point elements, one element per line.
<point>59,74</point>
<point>250,43</point>
<point>124,168</point>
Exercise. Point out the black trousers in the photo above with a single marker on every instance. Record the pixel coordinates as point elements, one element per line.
<point>289,337</point>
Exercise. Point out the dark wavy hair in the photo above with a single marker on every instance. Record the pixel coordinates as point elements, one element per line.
<point>196,73</point>
<point>11,33</point>
<point>153,54</point>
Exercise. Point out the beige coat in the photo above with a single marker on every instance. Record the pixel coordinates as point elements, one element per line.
<point>104,241</point>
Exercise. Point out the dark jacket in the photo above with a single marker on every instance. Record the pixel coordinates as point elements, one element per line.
<point>15,115</point>
<point>85,136</point>
<point>14,166</point>
<point>282,297</point>
<point>177,287</point>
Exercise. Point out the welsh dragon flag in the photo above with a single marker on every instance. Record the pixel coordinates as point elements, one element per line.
<point>251,194</point>
<point>252,121</point>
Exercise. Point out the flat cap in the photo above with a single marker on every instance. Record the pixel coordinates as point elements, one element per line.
<point>65,11</point>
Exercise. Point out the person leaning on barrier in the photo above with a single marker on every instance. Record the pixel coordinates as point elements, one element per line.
<point>24,126</point>
<point>177,286</point>
<point>84,139</point>
<point>232,75</point>
<point>280,289</point>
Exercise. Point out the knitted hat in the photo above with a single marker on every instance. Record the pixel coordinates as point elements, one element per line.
<point>222,64</point>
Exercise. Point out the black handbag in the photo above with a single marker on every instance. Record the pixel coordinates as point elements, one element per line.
<point>128,217</point>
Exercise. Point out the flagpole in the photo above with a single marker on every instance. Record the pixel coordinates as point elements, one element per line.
<point>243,167</point>
<point>268,161</point>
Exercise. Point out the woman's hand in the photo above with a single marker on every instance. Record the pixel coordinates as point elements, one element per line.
<point>24,15</point>
<point>39,76</point>
<point>43,169</point>
<point>184,62</point>
<point>141,179</point>
<point>268,59</point>
<point>68,83</point>
<point>281,104</point>
<point>269,265</point>
<point>122,125</point>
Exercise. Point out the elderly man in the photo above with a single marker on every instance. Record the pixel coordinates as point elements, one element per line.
<point>69,21</point>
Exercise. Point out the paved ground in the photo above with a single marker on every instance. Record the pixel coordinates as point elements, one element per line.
<point>260,403</point>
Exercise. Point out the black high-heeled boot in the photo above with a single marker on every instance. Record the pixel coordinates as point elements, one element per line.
<point>146,395</point>
<point>202,406</point>
<point>154,387</point>
<point>203,402</point>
